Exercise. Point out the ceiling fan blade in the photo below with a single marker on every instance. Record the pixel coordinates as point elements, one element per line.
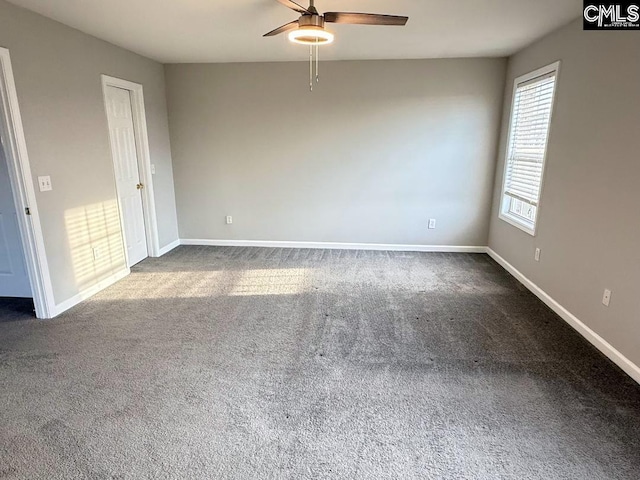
<point>294,6</point>
<point>284,28</point>
<point>364,18</point>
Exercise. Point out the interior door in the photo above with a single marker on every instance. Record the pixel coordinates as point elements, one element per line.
<point>14,280</point>
<point>125,159</point>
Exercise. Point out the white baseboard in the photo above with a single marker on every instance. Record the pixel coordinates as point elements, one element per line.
<point>89,292</point>
<point>333,245</point>
<point>169,247</point>
<point>596,340</point>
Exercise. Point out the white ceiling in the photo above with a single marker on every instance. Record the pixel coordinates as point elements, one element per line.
<point>180,31</point>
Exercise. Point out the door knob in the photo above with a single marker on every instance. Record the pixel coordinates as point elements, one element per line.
<point>139,186</point>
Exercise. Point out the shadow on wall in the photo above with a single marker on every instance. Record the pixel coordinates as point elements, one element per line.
<point>95,242</point>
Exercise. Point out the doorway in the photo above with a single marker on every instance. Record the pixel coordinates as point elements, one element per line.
<point>124,107</point>
<point>23,260</point>
<point>14,279</point>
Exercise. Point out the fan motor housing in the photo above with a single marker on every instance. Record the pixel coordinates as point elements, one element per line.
<point>311,31</point>
<point>311,21</point>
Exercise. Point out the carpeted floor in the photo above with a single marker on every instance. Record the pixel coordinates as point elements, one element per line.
<point>243,363</point>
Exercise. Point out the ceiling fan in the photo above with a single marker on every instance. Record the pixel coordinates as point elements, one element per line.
<point>310,30</point>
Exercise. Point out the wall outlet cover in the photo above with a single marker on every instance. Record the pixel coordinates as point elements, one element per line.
<point>606,297</point>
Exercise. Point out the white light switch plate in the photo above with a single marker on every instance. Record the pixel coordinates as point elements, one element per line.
<point>229,219</point>
<point>432,223</point>
<point>45,183</point>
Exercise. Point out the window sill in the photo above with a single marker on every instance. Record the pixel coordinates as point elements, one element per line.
<point>511,220</point>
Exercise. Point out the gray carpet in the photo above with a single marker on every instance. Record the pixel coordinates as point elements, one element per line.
<point>243,363</point>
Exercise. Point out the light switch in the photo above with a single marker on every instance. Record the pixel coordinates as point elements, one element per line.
<point>153,169</point>
<point>45,183</point>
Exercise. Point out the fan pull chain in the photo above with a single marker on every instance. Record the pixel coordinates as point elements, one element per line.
<point>317,62</point>
<point>311,68</point>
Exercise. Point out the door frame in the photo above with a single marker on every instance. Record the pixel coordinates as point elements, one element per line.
<point>144,161</point>
<point>24,193</point>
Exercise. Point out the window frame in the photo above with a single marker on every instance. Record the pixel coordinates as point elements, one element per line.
<point>504,213</point>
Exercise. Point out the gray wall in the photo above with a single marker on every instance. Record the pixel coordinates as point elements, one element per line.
<point>376,150</point>
<point>589,225</point>
<point>57,72</point>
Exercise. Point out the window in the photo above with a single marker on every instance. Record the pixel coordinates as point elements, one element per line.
<point>527,147</point>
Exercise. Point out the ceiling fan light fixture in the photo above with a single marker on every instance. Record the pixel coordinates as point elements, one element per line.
<point>311,35</point>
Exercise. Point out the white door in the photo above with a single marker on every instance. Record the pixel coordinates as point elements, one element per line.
<point>125,159</point>
<point>14,281</point>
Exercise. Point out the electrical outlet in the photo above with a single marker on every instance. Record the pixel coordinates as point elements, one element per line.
<point>432,223</point>
<point>537,255</point>
<point>96,253</point>
<point>229,219</point>
<point>606,298</point>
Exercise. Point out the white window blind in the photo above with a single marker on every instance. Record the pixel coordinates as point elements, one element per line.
<point>530,121</point>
